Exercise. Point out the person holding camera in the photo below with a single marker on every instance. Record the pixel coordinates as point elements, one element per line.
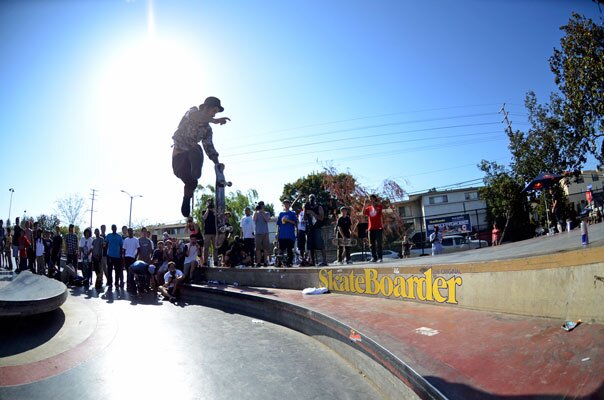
<point>263,247</point>
<point>209,233</point>
<point>173,278</point>
<point>187,156</point>
<point>436,239</point>
<point>287,225</point>
<point>314,214</point>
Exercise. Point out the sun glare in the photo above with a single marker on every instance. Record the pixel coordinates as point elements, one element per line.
<point>141,83</point>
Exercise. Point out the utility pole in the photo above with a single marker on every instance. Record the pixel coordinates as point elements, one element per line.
<point>92,207</point>
<point>508,128</point>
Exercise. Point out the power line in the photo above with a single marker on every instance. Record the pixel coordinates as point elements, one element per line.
<point>348,139</point>
<point>381,116</point>
<point>365,145</point>
<point>306,136</point>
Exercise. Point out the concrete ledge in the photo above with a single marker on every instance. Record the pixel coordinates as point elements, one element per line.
<point>393,376</point>
<point>29,294</point>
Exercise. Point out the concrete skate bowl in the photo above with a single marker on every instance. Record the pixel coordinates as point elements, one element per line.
<point>393,376</point>
<point>30,294</point>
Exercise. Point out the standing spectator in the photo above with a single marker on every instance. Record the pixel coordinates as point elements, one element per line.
<point>145,252</point>
<point>343,233</point>
<point>375,228</point>
<point>159,261</point>
<point>55,253</point>
<point>71,247</point>
<point>98,246</point>
<point>556,210</point>
<point>7,249</point>
<point>407,245</point>
<point>173,278</point>
<point>436,239</point>
<point>31,253</point>
<point>315,215</point>
<point>495,235</point>
<point>15,243</point>
<point>131,250</point>
<point>40,259</point>
<point>24,246</point>
<point>114,259</point>
<point>124,232</point>
<point>261,218</point>
<point>104,256</point>
<point>47,251</point>
<point>187,156</point>
<point>209,234</point>
<point>86,256</point>
<point>287,225</point>
<point>2,244</point>
<point>247,231</point>
<point>301,240</point>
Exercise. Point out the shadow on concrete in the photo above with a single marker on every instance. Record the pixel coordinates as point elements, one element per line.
<point>20,334</point>
<point>460,391</point>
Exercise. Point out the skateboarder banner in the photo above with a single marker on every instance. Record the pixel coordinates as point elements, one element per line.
<point>452,225</point>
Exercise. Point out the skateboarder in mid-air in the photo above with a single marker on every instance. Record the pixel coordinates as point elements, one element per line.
<point>187,156</point>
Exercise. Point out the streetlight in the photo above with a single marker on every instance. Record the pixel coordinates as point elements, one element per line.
<point>10,205</point>
<point>131,197</point>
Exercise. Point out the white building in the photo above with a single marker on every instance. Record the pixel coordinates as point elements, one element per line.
<point>455,211</point>
<point>575,188</point>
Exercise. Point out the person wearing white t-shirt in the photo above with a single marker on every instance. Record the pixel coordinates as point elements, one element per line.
<point>247,232</point>
<point>173,278</point>
<point>191,255</point>
<point>131,248</point>
<point>85,255</point>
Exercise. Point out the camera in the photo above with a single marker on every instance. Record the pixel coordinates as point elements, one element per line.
<point>259,206</point>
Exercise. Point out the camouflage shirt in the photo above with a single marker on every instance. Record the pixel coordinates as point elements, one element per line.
<point>190,133</point>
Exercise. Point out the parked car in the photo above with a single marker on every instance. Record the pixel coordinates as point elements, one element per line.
<point>451,244</point>
<point>364,257</point>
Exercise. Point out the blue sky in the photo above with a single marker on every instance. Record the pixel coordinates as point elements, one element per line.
<point>92,92</point>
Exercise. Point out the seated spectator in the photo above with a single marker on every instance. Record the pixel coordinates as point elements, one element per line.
<point>237,255</point>
<point>173,278</point>
<point>192,252</point>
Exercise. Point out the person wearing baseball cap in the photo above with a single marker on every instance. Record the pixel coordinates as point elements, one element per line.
<point>187,155</point>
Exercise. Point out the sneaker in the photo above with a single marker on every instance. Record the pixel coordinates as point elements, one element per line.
<point>185,209</point>
<point>348,262</point>
<point>172,300</point>
<point>380,260</point>
<point>323,264</point>
<point>374,260</point>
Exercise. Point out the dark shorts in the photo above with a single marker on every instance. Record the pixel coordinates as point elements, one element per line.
<point>314,239</point>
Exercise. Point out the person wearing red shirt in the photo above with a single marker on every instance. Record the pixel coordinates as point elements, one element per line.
<point>24,245</point>
<point>374,232</point>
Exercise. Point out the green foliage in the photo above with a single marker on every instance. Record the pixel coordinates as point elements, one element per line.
<point>505,203</point>
<point>235,202</point>
<point>578,67</point>
<point>48,222</point>
<point>303,187</point>
<point>539,149</point>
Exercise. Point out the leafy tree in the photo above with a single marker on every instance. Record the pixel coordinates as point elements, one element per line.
<point>578,67</point>
<point>299,190</point>
<point>71,209</point>
<point>506,203</point>
<point>540,149</point>
<point>235,203</point>
<point>48,222</point>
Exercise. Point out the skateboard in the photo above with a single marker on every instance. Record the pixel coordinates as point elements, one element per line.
<point>348,242</point>
<point>221,183</point>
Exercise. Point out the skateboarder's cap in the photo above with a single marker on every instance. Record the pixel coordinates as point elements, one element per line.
<point>213,102</point>
<point>287,201</point>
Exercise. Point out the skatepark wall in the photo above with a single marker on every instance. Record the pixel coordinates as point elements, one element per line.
<point>562,285</point>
